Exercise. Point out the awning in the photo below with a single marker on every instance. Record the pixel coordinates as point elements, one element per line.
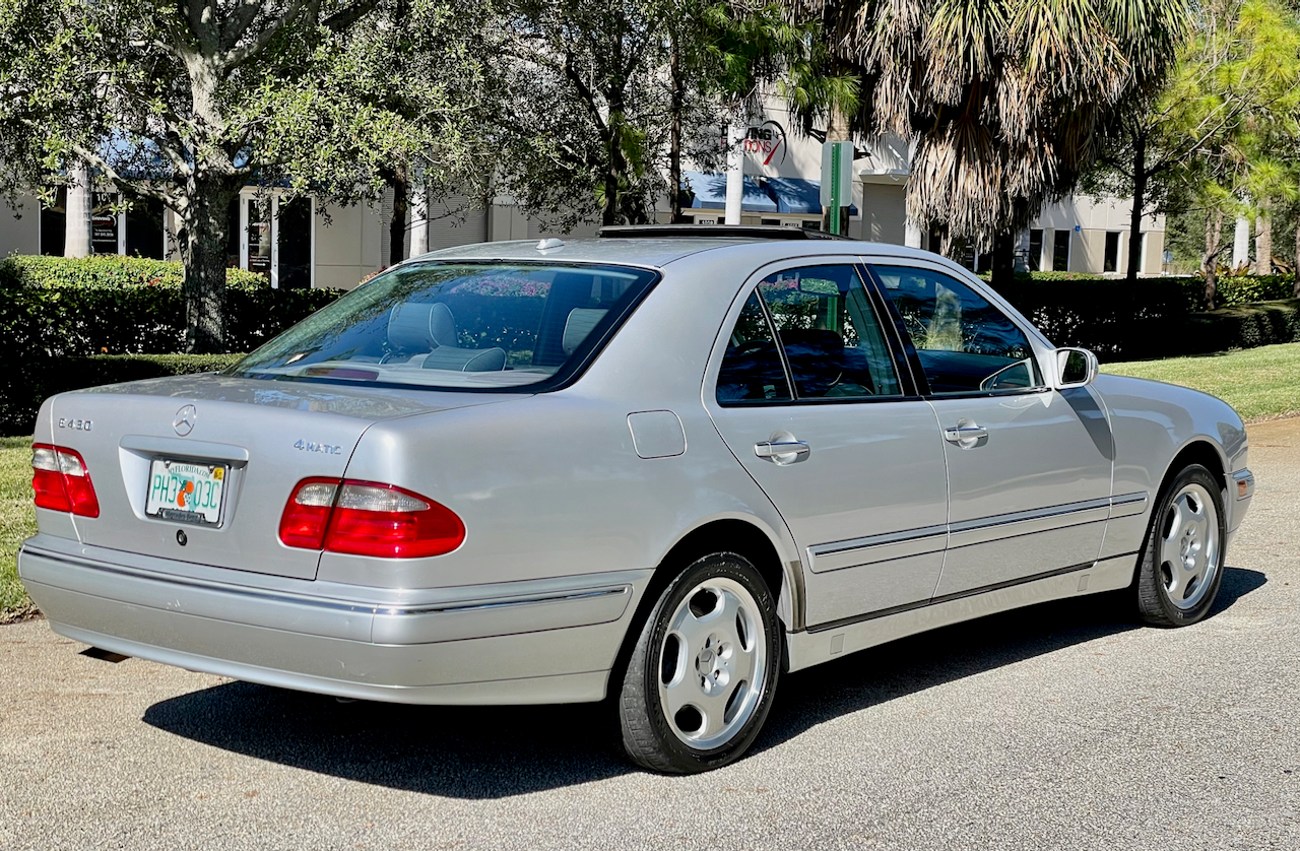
<point>799,195</point>
<point>791,195</point>
<point>710,192</point>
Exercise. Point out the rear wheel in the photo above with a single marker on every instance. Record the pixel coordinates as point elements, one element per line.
<point>1182,561</point>
<point>701,677</point>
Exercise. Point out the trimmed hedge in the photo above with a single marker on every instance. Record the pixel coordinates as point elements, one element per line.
<point>59,307</point>
<point>38,379</point>
<point>105,270</point>
<point>55,313</point>
<point>1243,327</point>
<point>1119,320</point>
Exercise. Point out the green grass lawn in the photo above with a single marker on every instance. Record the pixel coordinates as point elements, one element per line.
<point>1260,383</point>
<point>16,522</point>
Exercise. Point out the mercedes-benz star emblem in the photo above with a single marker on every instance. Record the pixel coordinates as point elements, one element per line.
<point>185,419</point>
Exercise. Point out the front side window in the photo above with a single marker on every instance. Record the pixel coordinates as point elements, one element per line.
<point>964,343</point>
<point>822,336</point>
<point>458,326</point>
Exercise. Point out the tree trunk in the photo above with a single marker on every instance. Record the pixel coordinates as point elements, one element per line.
<point>78,211</point>
<point>1263,240</point>
<point>399,181</point>
<point>613,213</point>
<point>676,106</point>
<point>1139,204</point>
<point>419,215</point>
<point>1003,269</point>
<point>203,252</point>
<point>1210,260</point>
<point>1295,275</point>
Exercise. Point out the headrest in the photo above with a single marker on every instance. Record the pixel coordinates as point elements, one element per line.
<point>811,341</point>
<point>414,327</point>
<point>579,324</point>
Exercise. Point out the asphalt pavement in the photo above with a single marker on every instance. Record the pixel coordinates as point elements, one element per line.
<point>1064,726</point>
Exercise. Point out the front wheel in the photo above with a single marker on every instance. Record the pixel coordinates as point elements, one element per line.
<point>1182,561</point>
<point>701,677</point>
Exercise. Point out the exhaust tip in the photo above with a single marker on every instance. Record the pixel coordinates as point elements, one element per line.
<point>105,655</point>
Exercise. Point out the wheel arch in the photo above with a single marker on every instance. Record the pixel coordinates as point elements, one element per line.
<point>727,534</point>
<point>1198,451</point>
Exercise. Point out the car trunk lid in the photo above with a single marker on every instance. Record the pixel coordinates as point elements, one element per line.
<point>197,469</point>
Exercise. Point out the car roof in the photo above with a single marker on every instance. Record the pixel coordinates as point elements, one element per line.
<point>659,252</point>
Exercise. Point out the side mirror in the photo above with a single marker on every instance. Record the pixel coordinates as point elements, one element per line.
<point>1075,368</point>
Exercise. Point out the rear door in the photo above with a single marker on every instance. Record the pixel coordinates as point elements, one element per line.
<point>1029,467</point>
<point>808,397</point>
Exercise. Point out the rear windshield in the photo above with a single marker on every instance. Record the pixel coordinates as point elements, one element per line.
<point>458,326</point>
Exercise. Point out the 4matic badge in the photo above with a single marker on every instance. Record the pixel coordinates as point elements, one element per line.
<point>312,446</point>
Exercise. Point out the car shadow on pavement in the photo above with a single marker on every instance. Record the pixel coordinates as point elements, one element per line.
<point>497,752</point>
<point>930,659</point>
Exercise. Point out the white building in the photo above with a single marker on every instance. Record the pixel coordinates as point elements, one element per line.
<point>301,243</point>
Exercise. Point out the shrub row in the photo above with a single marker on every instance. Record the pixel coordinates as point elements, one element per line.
<point>56,313</point>
<point>23,389</point>
<point>1242,327</point>
<point>56,307</point>
<point>105,270</point>
<point>1119,320</point>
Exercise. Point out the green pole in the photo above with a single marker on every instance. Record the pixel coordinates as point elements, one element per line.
<point>835,188</point>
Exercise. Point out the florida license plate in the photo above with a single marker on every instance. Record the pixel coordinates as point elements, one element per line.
<point>186,491</point>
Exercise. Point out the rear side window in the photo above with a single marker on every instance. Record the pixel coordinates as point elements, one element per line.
<point>807,333</point>
<point>458,326</point>
<point>964,343</point>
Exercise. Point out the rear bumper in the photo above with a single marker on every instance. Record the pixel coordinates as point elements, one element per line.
<point>545,641</point>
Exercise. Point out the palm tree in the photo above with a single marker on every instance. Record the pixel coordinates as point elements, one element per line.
<point>1003,99</point>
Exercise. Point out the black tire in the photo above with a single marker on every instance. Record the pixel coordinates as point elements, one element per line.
<point>741,659</point>
<point>1181,566</point>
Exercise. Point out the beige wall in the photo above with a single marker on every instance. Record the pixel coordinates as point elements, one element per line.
<point>884,212</point>
<point>1087,251</point>
<point>20,230</point>
<point>347,248</point>
<point>456,221</point>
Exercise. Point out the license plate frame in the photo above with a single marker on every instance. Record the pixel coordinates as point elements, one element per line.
<point>185,491</point>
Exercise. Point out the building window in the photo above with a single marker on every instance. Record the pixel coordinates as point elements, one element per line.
<point>144,229</point>
<point>1035,249</point>
<point>54,224</point>
<point>272,237</point>
<point>1060,250</point>
<point>1110,262</point>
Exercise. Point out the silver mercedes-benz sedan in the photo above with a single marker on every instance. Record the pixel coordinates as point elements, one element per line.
<point>662,466</point>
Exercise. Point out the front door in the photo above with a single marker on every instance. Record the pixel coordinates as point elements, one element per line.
<point>1029,467</point>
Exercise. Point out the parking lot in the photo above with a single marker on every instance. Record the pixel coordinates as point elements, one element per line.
<point>1059,727</point>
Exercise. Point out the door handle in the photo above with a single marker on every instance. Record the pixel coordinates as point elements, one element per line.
<point>966,434</point>
<point>782,452</point>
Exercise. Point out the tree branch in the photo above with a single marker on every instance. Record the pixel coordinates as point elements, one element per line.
<point>587,96</point>
<point>237,56</point>
<point>146,188</point>
<point>346,17</point>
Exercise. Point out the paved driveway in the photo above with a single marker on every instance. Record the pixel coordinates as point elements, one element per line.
<point>1060,727</point>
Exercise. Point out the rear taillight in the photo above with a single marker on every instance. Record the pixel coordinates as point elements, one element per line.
<point>369,519</point>
<point>61,481</point>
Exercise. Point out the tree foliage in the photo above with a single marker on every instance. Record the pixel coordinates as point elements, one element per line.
<point>597,102</point>
<point>1002,99</point>
<point>187,101</point>
<point>1221,138</point>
